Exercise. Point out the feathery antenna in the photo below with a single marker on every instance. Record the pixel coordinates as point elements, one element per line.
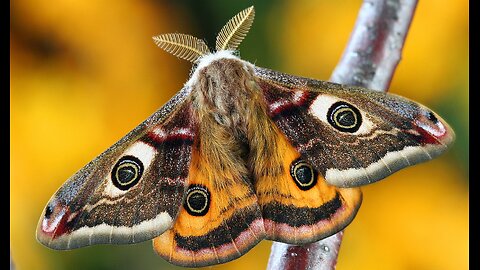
<point>235,30</point>
<point>191,48</point>
<point>183,46</point>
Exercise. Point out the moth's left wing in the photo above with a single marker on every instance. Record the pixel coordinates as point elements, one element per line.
<point>131,192</point>
<point>352,136</point>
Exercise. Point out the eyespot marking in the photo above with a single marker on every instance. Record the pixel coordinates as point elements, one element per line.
<point>303,174</point>
<point>127,172</point>
<point>323,106</point>
<point>344,117</point>
<point>197,201</point>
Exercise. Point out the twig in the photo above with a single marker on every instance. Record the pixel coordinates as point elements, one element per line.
<point>12,265</point>
<point>376,44</point>
<point>369,60</point>
<point>321,255</point>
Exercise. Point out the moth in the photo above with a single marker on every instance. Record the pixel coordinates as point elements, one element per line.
<point>240,154</point>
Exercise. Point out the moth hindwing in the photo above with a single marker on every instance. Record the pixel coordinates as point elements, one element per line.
<point>240,154</point>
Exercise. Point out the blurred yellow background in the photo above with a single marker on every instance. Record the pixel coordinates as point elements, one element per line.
<point>84,73</point>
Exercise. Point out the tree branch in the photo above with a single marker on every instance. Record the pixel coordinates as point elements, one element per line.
<point>376,44</point>
<point>369,60</point>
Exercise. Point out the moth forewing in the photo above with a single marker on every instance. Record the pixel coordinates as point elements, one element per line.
<point>99,204</point>
<point>353,136</point>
